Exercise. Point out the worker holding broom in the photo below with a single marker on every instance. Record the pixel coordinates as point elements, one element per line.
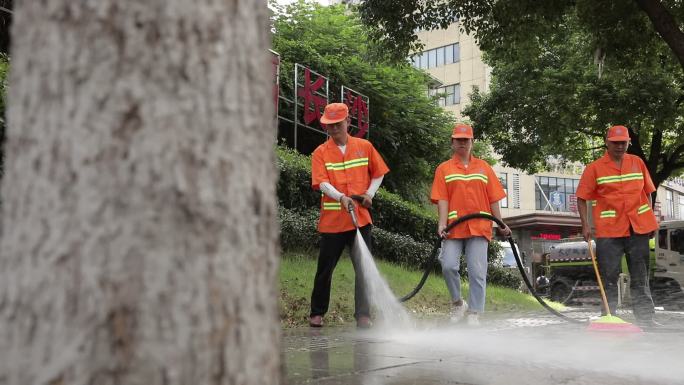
<point>342,167</point>
<point>621,186</point>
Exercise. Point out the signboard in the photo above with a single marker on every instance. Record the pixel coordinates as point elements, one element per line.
<point>358,112</point>
<point>572,203</point>
<point>547,236</point>
<point>311,88</point>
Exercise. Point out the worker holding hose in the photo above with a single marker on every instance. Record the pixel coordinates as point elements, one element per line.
<point>342,167</point>
<point>465,185</point>
<point>624,221</point>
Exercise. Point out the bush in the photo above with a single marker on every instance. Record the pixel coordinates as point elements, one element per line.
<point>399,248</point>
<point>294,182</point>
<point>397,215</point>
<point>298,229</point>
<point>503,276</point>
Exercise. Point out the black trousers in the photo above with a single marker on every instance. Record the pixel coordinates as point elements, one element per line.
<point>332,245</point>
<point>609,254</point>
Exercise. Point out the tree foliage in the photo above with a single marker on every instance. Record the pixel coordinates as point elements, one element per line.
<point>563,71</point>
<point>408,128</point>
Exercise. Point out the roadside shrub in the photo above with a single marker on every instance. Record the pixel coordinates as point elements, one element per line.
<point>298,229</point>
<point>298,232</point>
<point>397,215</point>
<point>503,276</point>
<point>294,182</point>
<point>400,249</point>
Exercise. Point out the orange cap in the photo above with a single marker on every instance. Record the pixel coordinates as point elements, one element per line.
<point>462,130</point>
<point>618,134</point>
<point>335,112</point>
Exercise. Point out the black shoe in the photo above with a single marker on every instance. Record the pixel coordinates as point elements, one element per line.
<point>364,322</point>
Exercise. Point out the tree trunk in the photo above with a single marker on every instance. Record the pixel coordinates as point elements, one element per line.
<point>139,236</point>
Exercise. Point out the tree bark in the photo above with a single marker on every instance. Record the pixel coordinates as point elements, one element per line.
<point>139,241</point>
<point>666,25</point>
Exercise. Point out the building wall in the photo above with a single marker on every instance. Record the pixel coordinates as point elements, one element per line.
<point>470,71</point>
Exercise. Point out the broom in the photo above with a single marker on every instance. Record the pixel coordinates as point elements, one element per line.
<point>608,322</point>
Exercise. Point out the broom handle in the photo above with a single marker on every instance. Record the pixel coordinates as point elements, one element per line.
<point>598,278</point>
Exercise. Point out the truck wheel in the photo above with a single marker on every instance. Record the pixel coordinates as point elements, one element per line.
<point>561,290</point>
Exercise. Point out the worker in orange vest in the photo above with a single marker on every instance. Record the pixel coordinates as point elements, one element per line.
<point>466,185</point>
<point>341,167</point>
<point>624,221</point>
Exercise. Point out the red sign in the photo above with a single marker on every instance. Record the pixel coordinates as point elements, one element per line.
<point>550,237</point>
<point>572,203</point>
<point>358,111</point>
<point>313,103</point>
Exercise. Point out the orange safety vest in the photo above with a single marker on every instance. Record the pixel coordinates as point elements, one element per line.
<point>350,174</point>
<point>621,196</point>
<point>468,190</point>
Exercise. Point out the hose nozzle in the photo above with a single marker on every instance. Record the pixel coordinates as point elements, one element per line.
<point>352,212</point>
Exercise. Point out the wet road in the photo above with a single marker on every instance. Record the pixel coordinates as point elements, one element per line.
<point>530,349</point>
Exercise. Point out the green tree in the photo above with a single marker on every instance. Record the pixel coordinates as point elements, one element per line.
<point>409,129</point>
<point>553,98</point>
<point>563,71</point>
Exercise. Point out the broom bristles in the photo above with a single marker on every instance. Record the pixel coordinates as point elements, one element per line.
<point>610,323</point>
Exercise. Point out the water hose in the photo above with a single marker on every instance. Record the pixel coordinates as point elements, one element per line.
<point>432,262</point>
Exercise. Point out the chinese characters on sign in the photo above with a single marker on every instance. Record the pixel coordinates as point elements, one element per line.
<point>311,97</point>
<point>314,93</point>
<point>572,203</point>
<point>358,111</point>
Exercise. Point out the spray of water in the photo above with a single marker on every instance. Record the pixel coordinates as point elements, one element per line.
<point>389,312</point>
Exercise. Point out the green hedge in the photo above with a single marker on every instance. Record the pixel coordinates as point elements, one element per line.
<point>298,232</point>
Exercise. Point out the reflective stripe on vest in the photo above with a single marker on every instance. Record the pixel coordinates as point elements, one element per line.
<point>593,203</point>
<point>332,206</point>
<point>608,214</point>
<point>452,215</point>
<point>619,178</point>
<point>484,212</point>
<point>466,177</point>
<point>347,165</point>
<point>643,209</point>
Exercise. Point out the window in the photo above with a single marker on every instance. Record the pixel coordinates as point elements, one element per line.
<point>553,194</point>
<point>680,211</point>
<point>503,178</point>
<point>440,56</point>
<point>662,239</point>
<point>452,95</point>
<point>436,57</point>
<point>669,204</point>
<point>516,191</point>
<point>677,240</point>
<point>449,53</point>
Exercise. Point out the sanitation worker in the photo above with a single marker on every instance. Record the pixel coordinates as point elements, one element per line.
<point>341,167</point>
<point>465,185</point>
<point>621,187</point>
